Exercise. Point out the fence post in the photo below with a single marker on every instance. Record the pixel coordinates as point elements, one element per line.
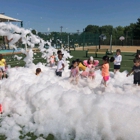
<point>87,53</point>
<point>83,40</point>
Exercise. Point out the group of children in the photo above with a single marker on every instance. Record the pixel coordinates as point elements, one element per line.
<point>136,70</point>
<point>87,68</point>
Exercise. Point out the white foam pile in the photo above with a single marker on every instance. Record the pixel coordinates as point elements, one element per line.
<point>47,104</point>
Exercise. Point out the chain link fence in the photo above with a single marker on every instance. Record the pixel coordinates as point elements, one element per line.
<point>79,39</point>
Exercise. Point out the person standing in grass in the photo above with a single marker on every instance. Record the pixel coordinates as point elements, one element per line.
<point>117,61</point>
<point>136,71</point>
<point>2,62</point>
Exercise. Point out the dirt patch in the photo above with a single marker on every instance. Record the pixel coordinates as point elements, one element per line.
<point>123,48</point>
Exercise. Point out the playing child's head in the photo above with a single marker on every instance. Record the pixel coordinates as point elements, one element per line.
<point>38,70</point>
<point>60,56</point>
<point>105,59</point>
<point>90,60</point>
<point>74,63</point>
<point>78,61</point>
<point>59,52</point>
<point>136,62</point>
<point>118,51</point>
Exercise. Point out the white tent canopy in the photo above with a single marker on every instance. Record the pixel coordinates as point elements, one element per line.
<point>4,18</point>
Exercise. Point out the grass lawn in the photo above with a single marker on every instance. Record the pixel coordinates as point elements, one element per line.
<point>127,64</point>
<point>127,61</point>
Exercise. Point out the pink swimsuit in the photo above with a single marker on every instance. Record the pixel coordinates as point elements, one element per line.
<point>91,72</point>
<point>74,72</point>
<point>96,62</point>
<point>52,59</point>
<point>91,67</point>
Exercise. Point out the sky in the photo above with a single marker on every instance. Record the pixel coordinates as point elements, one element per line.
<point>73,15</point>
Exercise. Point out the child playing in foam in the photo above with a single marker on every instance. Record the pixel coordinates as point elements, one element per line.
<point>2,62</point>
<point>117,61</point>
<point>74,74</point>
<point>91,73</point>
<point>82,67</point>
<point>52,60</point>
<point>2,74</point>
<point>91,63</point>
<point>60,65</point>
<point>105,69</point>
<point>136,71</point>
<point>38,71</point>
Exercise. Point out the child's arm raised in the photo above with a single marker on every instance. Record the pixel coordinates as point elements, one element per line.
<point>130,73</point>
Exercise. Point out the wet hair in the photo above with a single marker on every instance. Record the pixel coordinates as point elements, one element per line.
<point>136,60</point>
<point>107,59</point>
<point>38,70</point>
<point>72,64</point>
<point>79,61</point>
<point>59,52</point>
<point>118,50</point>
<point>1,57</point>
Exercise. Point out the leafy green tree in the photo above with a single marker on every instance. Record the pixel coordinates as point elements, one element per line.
<point>92,29</point>
<point>136,30</point>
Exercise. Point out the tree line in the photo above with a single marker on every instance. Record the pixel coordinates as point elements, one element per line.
<point>91,33</point>
<point>131,31</point>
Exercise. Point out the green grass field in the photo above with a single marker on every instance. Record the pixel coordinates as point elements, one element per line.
<point>127,64</point>
<point>127,61</point>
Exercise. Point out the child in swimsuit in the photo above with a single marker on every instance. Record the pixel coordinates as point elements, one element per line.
<point>91,63</point>
<point>82,67</point>
<point>74,74</point>
<point>91,73</point>
<point>52,60</point>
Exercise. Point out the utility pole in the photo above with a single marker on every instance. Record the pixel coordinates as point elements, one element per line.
<point>78,31</point>
<point>61,28</point>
